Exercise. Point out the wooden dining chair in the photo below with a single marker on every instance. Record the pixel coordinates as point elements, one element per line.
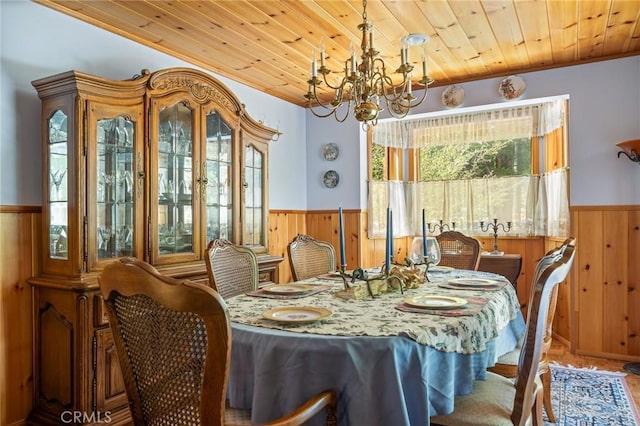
<point>507,364</point>
<point>232,269</point>
<point>173,340</point>
<point>458,250</point>
<point>497,400</point>
<point>309,257</point>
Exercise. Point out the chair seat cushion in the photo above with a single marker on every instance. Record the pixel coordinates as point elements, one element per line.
<point>237,417</point>
<point>490,403</point>
<point>510,358</point>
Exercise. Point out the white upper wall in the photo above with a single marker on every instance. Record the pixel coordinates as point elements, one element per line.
<point>604,109</point>
<point>37,42</point>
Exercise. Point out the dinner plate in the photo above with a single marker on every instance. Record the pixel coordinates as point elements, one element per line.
<point>435,302</point>
<point>287,288</point>
<point>473,282</point>
<point>297,314</point>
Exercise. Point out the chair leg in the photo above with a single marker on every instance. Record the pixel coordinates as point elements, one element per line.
<point>536,413</point>
<point>546,389</point>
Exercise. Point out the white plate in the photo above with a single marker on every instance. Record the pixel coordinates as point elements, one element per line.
<point>330,151</point>
<point>287,288</point>
<point>512,87</point>
<point>331,179</point>
<point>297,314</point>
<point>438,268</point>
<point>435,302</point>
<point>453,96</point>
<point>473,282</point>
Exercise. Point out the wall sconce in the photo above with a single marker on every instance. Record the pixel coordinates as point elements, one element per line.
<point>631,149</point>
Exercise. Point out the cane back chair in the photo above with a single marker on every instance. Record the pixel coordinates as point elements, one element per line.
<point>458,250</point>
<point>232,269</point>
<point>497,400</point>
<point>173,340</point>
<point>507,364</point>
<point>309,257</point>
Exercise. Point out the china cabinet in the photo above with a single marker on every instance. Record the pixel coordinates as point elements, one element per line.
<point>152,167</point>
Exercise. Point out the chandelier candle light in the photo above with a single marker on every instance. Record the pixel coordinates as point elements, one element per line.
<point>495,226</point>
<point>366,83</point>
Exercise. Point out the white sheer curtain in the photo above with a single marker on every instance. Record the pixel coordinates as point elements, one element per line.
<point>554,204</point>
<point>465,202</point>
<point>533,119</point>
<point>383,194</point>
<point>535,205</point>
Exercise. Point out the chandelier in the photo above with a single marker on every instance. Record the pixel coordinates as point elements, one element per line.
<point>365,84</point>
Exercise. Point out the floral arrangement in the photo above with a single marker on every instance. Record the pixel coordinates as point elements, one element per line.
<point>410,277</point>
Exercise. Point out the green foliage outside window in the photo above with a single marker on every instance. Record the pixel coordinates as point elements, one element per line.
<point>475,160</point>
<point>377,162</point>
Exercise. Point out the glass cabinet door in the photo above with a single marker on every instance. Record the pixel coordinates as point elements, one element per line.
<point>218,169</point>
<point>58,192</point>
<point>115,183</point>
<point>175,173</point>
<point>253,199</point>
<point>116,170</point>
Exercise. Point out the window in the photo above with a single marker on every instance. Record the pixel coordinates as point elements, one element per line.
<point>472,167</point>
<point>511,157</point>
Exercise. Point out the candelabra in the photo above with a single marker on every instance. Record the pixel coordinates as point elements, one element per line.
<point>495,226</point>
<point>441,227</point>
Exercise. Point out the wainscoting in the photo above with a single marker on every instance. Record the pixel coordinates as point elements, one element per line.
<point>606,294</point>
<point>19,245</point>
<point>598,310</point>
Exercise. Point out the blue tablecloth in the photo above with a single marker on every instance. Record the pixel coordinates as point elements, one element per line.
<point>380,380</point>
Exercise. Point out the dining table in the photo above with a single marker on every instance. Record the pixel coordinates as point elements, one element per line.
<point>394,359</point>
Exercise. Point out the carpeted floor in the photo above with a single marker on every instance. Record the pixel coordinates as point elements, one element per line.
<point>587,397</point>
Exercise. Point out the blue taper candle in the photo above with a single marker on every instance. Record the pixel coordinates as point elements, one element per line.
<point>391,249</point>
<point>342,256</point>
<point>424,235</point>
<point>387,247</point>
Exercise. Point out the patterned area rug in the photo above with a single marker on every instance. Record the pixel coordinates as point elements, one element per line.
<point>587,397</point>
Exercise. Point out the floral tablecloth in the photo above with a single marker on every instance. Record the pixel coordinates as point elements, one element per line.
<point>379,317</point>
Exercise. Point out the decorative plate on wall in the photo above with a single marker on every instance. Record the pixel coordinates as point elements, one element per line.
<point>330,151</point>
<point>453,96</point>
<point>512,87</point>
<point>331,179</point>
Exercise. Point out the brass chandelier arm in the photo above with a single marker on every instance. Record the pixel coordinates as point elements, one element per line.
<point>331,110</point>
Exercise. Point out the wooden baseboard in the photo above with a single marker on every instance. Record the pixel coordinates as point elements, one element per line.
<point>608,355</point>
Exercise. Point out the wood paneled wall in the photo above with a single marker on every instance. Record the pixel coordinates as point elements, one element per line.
<point>284,225</point>
<point>19,245</point>
<point>606,290</point>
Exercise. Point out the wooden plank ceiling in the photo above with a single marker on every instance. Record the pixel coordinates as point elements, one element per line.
<point>268,44</point>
